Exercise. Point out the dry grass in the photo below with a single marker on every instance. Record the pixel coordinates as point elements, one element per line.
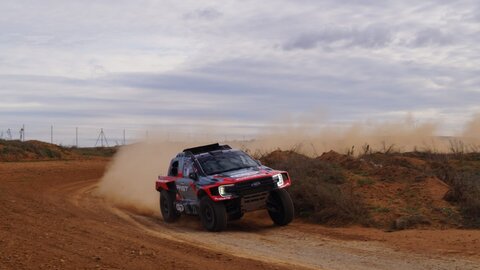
<point>321,192</point>
<point>462,173</point>
<point>330,189</point>
<point>15,150</point>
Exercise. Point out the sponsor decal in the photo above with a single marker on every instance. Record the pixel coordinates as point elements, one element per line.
<point>182,188</point>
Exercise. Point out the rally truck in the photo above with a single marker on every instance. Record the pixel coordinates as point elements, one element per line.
<point>220,184</point>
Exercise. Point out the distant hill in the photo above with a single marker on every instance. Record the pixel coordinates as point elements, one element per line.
<point>15,150</point>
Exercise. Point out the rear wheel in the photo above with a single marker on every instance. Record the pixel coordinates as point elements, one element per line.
<point>213,215</point>
<point>280,207</point>
<point>167,206</point>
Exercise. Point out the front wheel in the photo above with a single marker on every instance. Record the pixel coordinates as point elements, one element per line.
<point>213,215</point>
<point>280,207</point>
<point>167,206</point>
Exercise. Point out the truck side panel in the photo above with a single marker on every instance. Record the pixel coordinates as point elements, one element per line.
<point>163,182</point>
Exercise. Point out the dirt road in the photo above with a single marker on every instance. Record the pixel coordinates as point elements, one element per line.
<point>50,218</point>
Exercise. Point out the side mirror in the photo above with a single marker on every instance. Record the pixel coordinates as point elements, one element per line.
<point>193,176</point>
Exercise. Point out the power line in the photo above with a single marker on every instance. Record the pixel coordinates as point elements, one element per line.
<point>102,138</point>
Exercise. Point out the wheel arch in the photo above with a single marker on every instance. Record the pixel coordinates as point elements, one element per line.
<point>202,193</point>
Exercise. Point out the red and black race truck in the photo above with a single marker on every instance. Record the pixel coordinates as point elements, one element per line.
<point>220,184</point>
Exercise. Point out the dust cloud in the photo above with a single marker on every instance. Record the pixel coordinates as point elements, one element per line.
<point>130,179</point>
<point>405,135</point>
<point>472,129</point>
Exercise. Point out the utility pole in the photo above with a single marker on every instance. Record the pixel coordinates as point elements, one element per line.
<point>124,142</point>
<point>51,134</point>
<point>76,136</point>
<point>22,134</point>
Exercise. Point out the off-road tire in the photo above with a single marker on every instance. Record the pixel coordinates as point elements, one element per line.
<point>280,207</point>
<point>167,206</point>
<point>213,215</point>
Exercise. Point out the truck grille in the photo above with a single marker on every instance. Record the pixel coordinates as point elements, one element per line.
<point>254,201</point>
<point>252,186</point>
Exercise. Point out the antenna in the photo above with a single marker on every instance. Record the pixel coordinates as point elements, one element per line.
<point>102,138</point>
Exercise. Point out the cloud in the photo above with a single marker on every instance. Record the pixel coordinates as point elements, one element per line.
<point>432,36</point>
<point>239,63</point>
<point>370,37</point>
<point>204,13</point>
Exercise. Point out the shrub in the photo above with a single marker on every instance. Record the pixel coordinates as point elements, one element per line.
<point>365,182</point>
<point>15,150</point>
<point>320,190</point>
<point>465,191</point>
<point>464,182</point>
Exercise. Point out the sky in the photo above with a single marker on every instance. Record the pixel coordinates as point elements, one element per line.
<point>233,68</point>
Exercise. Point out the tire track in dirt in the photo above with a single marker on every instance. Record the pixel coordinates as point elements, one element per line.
<point>294,246</point>
<point>291,245</point>
<point>52,219</point>
<point>82,195</point>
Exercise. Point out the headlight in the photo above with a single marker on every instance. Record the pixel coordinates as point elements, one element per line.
<point>222,192</point>
<point>279,178</point>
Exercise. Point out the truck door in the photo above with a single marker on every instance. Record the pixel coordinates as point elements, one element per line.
<point>185,185</point>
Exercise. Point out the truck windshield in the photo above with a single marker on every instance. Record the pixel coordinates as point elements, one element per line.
<point>225,161</point>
